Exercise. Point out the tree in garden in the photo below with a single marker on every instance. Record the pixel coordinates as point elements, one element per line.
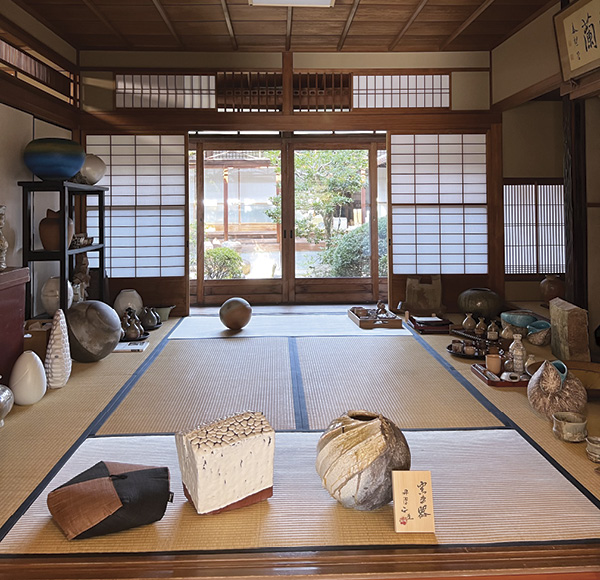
<point>325,182</point>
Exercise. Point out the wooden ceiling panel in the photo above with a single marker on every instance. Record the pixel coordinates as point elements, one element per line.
<point>351,25</point>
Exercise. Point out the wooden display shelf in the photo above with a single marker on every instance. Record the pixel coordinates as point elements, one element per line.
<point>371,321</point>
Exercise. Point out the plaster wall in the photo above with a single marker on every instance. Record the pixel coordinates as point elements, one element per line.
<point>18,128</point>
<point>528,57</point>
<point>470,90</point>
<point>532,140</point>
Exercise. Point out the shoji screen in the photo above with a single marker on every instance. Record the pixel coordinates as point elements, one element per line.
<point>438,204</point>
<point>145,204</point>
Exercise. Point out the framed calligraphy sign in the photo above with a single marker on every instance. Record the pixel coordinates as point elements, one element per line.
<point>577,29</point>
<point>413,501</point>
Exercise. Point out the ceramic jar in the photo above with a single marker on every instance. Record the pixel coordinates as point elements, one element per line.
<point>51,295</point>
<point>518,353</point>
<point>7,400</point>
<point>50,231</point>
<point>481,327</point>
<point>481,302</point>
<point>552,287</point>
<point>548,394</point>
<point>380,446</point>
<point>54,158</point>
<point>149,318</point>
<point>92,170</point>
<point>128,298</point>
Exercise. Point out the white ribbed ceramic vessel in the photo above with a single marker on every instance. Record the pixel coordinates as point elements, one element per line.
<point>28,379</point>
<point>128,298</point>
<point>356,456</point>
<point>58,353</point>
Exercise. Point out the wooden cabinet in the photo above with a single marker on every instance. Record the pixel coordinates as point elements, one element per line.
<point>12,317</point>
<point>68,193</point>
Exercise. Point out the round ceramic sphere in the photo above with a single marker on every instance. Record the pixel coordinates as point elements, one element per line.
<point>51,295</point>
<point>6,402</point>
<point>235,313</point>
<point>28,379</point>
<point>54,159</point>
<point>94,330</point>
<point>92,170</point>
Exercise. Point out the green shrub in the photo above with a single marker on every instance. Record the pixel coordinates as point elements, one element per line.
<point>349,254</point>
<point>221,263</point>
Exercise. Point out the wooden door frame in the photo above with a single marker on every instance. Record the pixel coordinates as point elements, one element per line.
<point>215,292</point>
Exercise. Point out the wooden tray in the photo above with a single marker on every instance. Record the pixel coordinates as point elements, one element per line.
<point>479,371</point>
<point>369,322</point>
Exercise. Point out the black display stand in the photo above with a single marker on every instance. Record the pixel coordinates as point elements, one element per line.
<point>68,192</point>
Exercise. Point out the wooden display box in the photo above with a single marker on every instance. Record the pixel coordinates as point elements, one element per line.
<point>371,321</point>
<point>37,334</point>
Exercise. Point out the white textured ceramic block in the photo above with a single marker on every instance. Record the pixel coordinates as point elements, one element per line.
<point>28,379</point>
<point>228,463</point>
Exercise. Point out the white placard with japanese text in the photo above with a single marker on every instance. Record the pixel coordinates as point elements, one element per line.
<point>413,501</point>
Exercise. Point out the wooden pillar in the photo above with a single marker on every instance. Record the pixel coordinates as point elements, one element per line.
<point>200,223</point>
<point>374,220</point>
<point>495,209</point>
<point>288,82</point>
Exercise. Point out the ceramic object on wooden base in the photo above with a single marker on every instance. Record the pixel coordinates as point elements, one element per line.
<point>549,394</point>
<point>356,456</point>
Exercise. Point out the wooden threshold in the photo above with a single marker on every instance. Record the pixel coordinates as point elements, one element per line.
<point>549,562</point>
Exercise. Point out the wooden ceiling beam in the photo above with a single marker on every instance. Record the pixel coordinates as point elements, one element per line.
<point>408,24</point>
<point>90,4</point>
<point>229,24</point>
<point>484,6</point>
<point>288,28</point>
<point>160,9</point>
<point>348,24</point>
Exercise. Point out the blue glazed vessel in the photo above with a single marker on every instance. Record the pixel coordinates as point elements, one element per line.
<point>54,159</point>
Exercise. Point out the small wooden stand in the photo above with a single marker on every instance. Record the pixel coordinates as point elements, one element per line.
<point>479,371</point>
<point>373,321</point>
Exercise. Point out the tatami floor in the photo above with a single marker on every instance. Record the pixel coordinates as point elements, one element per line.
<point>300,381</point>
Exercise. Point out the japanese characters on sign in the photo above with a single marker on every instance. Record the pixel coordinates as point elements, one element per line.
<point>578,34</point>
<point>413,501</point>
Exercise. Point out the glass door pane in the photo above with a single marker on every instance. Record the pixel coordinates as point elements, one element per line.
<point>242,209</point>
<point>332,213</point>
<point>382,212</point>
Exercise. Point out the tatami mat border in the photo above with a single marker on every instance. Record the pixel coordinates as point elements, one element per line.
<point>503,417</point>
<point>89,431</point>
<point>300,408</point>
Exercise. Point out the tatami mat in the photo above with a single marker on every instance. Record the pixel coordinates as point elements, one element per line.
<point>393,376</point>
<point>279,325</point>
<point>194,381</point>
<point>35,437</point>
<point>488,487</point>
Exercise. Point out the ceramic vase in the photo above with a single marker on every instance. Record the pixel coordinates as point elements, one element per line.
<point>128,298</point>
<point>50,231</point>
<point>552,287</point>
<point>469,323</point>
<point>51,295</point>
<point>548,394</point>
<point>7,400</point>
<point>28,379</point>
<point>58,353</point>
<point>53,158</point>
<point>481,302</point>
<point>481,327</point>
<point>3,241</point>
<point>92,170</point>
<point>149,319</point>
<point>355,457</point>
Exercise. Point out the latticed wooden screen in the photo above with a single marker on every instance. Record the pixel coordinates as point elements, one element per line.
<point>438,199</point>
<point>145,204</point>
<point>534,237</point>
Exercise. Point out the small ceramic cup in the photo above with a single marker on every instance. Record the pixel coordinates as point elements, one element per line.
<point>593,449</point>
<point>493,363</point>
<point>569,426</point>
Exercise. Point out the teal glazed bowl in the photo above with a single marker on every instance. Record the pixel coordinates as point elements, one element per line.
<point>53,159</point>
<point>518,318</point>
<point>538,326</point>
